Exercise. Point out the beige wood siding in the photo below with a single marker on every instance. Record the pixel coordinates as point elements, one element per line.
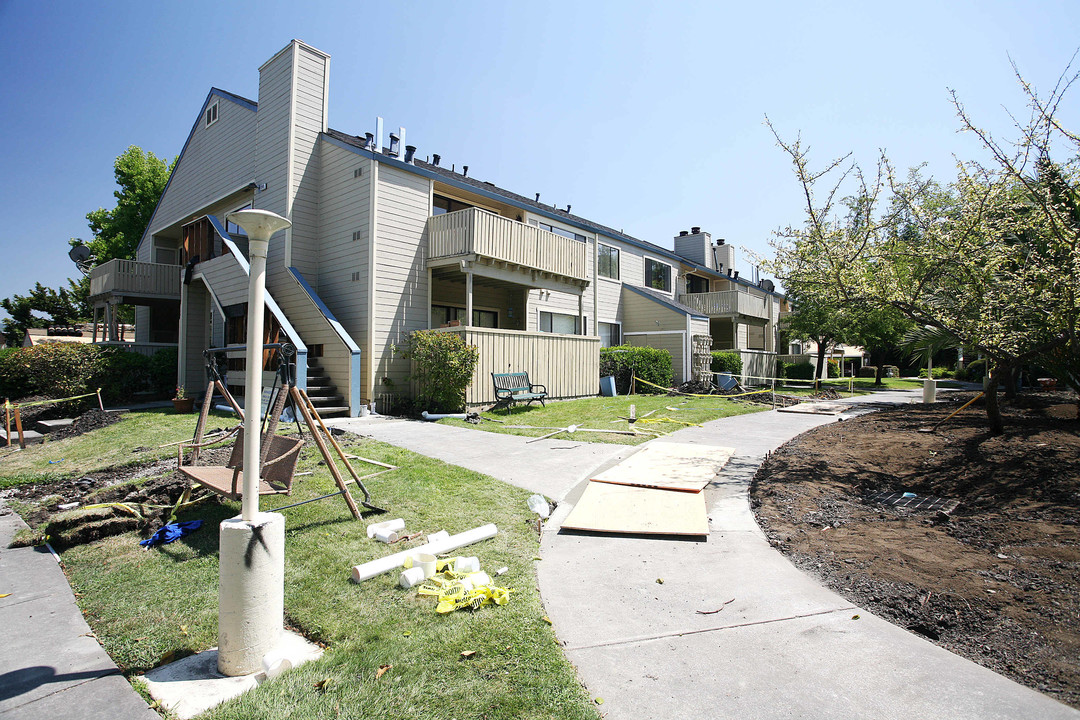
<point>217,160</point>
<point>312,68</point>
<point>227,279</point>
<point>673,342</point>
<point>569,365</point>
<point>643,314</point>
<point>344,204</point>
<point>403,203</point>
<point>272,124</point>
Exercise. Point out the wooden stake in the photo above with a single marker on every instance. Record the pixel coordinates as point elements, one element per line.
<point>303,407</point>
<point>7,411</point>
<point>18,425</point>
<point>100,404</point>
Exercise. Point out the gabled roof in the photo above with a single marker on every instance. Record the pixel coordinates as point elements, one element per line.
<point>214,92</point>
<point>666,301</point>
<point>497,193</point>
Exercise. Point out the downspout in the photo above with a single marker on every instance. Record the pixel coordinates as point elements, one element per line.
<point>373,212</point>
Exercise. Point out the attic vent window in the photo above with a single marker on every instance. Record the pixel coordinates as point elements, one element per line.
<point>211,115</point>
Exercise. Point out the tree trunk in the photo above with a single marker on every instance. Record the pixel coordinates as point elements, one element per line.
<point>880,365</point>
<point>993,412</point>
<point>821,349</point>
<point>1011,375</point>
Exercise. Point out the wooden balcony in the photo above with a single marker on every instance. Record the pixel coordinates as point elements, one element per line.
<point>131,280</point>
<point>505,243</point>
<point>729,303</point>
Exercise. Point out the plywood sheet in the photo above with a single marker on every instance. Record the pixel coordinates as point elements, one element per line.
<point>605,507</point>
<point>820,408</point>
<point>670,466</point>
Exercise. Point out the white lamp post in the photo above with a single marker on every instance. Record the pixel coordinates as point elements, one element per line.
<point>251,590</point>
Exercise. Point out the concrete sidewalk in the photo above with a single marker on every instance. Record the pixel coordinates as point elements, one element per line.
<point>785,647</point>
<point>51,667</point>
<point>551,467</point>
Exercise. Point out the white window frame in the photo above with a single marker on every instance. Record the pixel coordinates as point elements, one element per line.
<point>616,248</point>
<point>211,115</point>
<point>578,322</point>
<point>645,275</point>
<point>617,324</point>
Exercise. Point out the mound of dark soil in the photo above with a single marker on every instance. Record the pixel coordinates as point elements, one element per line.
<point>89,420</point>
<point>993,579</point>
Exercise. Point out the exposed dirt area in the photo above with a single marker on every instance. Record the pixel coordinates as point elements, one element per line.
<point>994,578</point>
<point>89,420</point>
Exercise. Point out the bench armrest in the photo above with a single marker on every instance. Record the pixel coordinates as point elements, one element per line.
<point>543,388</point>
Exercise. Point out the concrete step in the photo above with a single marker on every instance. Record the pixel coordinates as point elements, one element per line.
<point>30,436</point>
<point>321,389</point>
<point>317,380</point>
<point>332,411</point>
<point>322,400</point>
<point>47,426</point>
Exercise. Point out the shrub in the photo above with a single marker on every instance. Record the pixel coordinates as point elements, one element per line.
<point>833,369</point>
<point>937,373</point>
<point>121,374</point>
<point>443,367</point>
<point>729,362</point>
<point>800,371</point>
<point>163,370</point>
<point>649,364</point>
<point>976,371</point>
<point>56,370</point>
<point>868,371</point>
<point>890,371</point>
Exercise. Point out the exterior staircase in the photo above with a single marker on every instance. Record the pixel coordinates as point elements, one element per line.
<point>323,394</point>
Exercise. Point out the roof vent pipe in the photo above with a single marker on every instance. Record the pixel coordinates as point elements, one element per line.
<point>567,207</point>
<point>410,150</point>
<point>736,274</point>
<point>537,197</point>
<point>683,233</point>
<point>729,272</point>
<point>435,159</point>
<point>465,170</point>
<point>695,230</point>
<point>369,138</point>
<point>395,143</point>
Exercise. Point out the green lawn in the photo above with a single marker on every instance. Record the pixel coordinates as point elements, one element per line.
<point>150,606</point>
<point>861,386</point>
<point>660,414</point>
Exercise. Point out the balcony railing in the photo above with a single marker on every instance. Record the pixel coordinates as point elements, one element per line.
<point>129,277</point>
<point>728,302</point>
<point>476,232</point>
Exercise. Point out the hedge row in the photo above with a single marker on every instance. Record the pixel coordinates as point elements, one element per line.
<point>59,370</point>
<point>649,364</point>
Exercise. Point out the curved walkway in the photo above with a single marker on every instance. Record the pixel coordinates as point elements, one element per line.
<point>784,647</point>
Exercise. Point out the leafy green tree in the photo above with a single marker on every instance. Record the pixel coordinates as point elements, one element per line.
<point>993,259</point>
<point>141,177</point>
<point>814,317</point>
<point>41,307</point>
<point>879,329</point>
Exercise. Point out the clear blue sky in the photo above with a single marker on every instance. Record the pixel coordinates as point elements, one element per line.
<point>644,116</point>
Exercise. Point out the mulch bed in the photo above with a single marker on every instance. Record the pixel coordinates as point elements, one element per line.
<point>989,569</point>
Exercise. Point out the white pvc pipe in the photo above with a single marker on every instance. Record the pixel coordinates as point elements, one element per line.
<point>395,525</point>
<point>435,416</point>
<point>392,562</point>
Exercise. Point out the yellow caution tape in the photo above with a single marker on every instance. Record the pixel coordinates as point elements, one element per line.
<point>661,387</point>
<point>9,404</point>
<point>668,420</point>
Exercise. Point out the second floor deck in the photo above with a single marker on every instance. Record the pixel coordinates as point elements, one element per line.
<point>729,303</point>
<point>133,280</point>
<point>489,237</point>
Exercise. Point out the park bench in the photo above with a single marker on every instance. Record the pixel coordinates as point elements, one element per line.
<point>514,387</point>
<point>275,476</point>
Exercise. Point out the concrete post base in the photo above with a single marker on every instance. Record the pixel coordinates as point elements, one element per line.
<point>929,390</point>
<point>251,591</point>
